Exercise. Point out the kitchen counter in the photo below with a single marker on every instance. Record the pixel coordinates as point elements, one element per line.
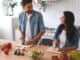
<point>47,55</point>
<point>11,56</point>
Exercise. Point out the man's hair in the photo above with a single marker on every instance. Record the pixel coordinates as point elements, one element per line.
<point>24,2</point>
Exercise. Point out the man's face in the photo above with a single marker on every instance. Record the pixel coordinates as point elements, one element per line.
<point>28,7</point>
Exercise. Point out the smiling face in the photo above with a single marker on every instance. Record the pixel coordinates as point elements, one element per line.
<point>62,18</point>
<point>28,7</point>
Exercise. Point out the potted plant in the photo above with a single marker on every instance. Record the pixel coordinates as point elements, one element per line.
<point>8,6</point>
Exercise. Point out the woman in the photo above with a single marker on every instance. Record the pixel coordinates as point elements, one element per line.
<point>67,32</point>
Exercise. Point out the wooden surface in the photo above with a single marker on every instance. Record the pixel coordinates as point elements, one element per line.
<point>11,56</point>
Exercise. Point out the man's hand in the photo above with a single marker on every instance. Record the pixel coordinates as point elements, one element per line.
<point>28,42</point>
<point>21,36</point>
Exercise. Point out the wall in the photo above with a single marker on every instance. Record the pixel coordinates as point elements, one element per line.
<point>1,8</point>
<point>6,31</point>
<point>54,10</point>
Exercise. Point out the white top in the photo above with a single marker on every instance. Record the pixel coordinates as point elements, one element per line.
<point>28,36</point>
<point>62,39</point>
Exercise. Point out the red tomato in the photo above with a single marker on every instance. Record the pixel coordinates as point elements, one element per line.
<point>6,48</point>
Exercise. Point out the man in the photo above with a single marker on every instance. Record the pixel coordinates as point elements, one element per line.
<point>31,24</point>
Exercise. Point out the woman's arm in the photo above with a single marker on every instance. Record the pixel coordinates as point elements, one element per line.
<point>56,37</point>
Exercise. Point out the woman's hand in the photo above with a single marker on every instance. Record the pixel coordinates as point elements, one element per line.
<point>55,43</point>
<point>19,34</point>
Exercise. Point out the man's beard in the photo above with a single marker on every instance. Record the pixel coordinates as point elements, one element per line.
<point>29,12</point>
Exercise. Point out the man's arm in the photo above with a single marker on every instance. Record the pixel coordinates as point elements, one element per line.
<point>19,27</point>
<point>41,28</point>
<point>35,38</point>
<point>56,40</point>
<point>38,36</point>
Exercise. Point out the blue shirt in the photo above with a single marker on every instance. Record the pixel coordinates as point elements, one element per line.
<point>36,23</point>
<point>67,43</point>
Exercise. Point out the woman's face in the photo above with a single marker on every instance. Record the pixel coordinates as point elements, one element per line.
<point>62,20</point>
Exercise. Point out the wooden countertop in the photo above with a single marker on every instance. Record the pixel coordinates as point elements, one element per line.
<point>11,56</point>
<point>47,55</point>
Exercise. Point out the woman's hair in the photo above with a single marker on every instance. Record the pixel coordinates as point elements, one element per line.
<point>24,2</point>
<point>70,28</point>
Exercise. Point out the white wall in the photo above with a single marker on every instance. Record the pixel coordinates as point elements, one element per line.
<point>6,31</point>
<point>1,8</point>
<point>53,11</point>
